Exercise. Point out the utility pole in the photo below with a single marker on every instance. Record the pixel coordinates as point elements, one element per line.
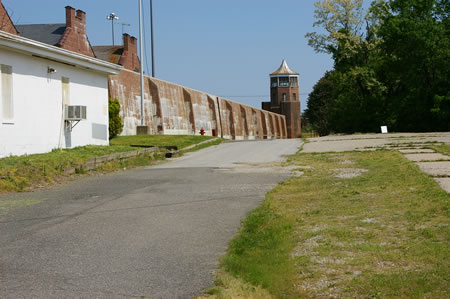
<point>111,17</point>
<point>153,43</point>
<point>141,48</point>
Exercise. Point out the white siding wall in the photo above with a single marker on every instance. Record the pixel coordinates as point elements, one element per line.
<point>38,125</point>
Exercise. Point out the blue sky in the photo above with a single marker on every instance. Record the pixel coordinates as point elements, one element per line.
<point>224,47</point>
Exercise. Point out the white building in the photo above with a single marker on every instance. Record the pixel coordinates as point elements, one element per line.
<point>38,83</point>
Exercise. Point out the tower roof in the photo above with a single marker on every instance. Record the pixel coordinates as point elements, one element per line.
<point>284,69</point>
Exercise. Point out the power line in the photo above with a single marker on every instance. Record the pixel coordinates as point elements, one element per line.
<point>257,96</point>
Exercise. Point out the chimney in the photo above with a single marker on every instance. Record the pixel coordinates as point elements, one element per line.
<point>126,42</point>
<point>70,16</point>
<point>82,16</point>
<point>129,58</point>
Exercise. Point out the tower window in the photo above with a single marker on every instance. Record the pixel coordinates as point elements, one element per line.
<point>284,81</point>
<point>284,97</point>
<point>295,96</point>
<point>274,82</point>
<point>294,81</point>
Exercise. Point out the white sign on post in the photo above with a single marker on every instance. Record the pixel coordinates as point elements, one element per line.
<point>384,130</point>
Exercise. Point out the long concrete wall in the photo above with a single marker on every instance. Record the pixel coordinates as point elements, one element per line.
<point>173,109</point>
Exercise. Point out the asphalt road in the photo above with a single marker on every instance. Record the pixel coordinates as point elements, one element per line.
<point>154,232</point>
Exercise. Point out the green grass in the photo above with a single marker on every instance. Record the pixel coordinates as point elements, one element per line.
<point>17,173</point>
<point>442,148</point>
<point>260,253</point>
<point>383,234</point>
<point>181,141</point>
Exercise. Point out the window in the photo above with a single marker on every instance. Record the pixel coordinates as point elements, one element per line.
<point>284,97</point>
<point>284,81</point>
<point>294,81</point>
<point>274,82</point>
<point>295,96</point>
<point>7,93</point>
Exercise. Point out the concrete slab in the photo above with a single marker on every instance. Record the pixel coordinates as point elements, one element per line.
<point>340,143</point>
<point>444,182</point>
<point>427,157</point>
<point>435,168</point>
<point>416,151</point>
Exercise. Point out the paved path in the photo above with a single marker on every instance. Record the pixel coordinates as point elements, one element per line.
<point>412,145</point>
<point>155,232</point>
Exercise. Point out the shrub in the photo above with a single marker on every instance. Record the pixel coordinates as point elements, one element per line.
<point>115,121</point>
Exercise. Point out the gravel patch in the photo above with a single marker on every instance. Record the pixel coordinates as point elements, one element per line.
<point>348,173</point>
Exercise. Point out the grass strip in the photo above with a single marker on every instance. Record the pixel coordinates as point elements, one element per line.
<point>356,225</point>
<point>204,145</point>
<point>181,141</point>
<point>259,256</point>
<point>17,173</point>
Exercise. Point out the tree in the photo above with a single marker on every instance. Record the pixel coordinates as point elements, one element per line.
<point>391,67</point>
<point>416,63</point>
<point>350,38</point>
<point>320,104</point>
<point>115,121</point>
<point>341,20</point>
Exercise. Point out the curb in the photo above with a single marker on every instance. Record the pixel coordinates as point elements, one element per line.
<point>194,145</point>
<point>96,162</point>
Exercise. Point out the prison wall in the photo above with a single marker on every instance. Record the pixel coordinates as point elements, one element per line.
<point>172,109</point>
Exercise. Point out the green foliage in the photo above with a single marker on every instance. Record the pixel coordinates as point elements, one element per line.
<point>320,102</point>
<point>115,121</point>
<point>395,72</point>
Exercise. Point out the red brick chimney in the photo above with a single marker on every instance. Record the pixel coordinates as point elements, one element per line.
<point>75,38</point>
<point>70,16</point>
<point>129,58</point>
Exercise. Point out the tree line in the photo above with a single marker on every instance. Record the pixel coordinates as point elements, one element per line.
<point>391,66</point>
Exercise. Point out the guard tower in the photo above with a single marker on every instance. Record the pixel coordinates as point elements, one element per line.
<point>284,98</point>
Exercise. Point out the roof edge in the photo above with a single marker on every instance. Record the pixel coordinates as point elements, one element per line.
<point>26,45</point>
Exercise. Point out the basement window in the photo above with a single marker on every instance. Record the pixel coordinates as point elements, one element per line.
<point>7,94</point>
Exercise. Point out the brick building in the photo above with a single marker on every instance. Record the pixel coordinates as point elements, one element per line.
<point>284,98</point>
<point>70,36</point>
<point>125,55</point>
